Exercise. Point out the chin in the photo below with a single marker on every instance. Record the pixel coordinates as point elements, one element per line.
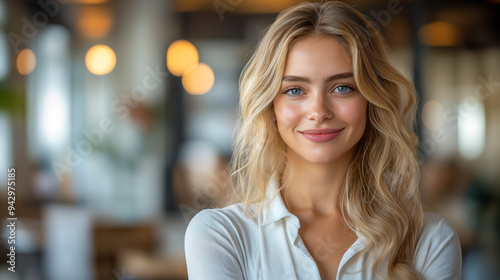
<point>322,159</point>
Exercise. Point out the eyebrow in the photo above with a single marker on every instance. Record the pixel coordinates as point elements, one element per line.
<point>326,80</point>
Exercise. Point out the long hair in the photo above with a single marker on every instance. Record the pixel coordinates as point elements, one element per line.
<point>380,192</point>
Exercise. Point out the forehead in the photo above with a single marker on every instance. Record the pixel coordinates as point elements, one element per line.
<point>317,57</point>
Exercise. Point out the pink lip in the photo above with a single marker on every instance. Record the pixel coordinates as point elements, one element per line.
<point>321,135</point>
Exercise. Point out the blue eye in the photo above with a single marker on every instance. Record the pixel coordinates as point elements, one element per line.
<point>292,92</point>
<point>343,89</point>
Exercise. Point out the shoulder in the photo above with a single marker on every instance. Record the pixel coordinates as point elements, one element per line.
<point>218,243</point>
<point>229,221</point>
<point>438,253</point>
<point>436,227</point>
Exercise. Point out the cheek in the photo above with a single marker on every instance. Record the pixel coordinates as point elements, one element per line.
<point>287,115</point>
<point>353,111</point>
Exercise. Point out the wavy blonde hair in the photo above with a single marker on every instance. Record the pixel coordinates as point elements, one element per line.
<point>380,191</point>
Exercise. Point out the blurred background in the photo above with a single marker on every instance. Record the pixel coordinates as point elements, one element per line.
<point>118,117</point>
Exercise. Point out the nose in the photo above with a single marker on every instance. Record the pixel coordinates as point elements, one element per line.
<point>319,108</point>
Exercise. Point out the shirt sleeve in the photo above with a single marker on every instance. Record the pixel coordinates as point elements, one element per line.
<point>209,248</point>
<point>443,255</point>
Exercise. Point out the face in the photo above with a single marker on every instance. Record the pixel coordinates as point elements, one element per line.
<point>319,113</point>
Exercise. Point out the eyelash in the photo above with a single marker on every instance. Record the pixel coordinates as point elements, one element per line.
<point>285,91</point>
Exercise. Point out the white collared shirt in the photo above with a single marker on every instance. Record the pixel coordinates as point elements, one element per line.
<point>222,244</point>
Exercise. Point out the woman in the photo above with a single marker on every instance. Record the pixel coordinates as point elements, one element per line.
<point>324,168</point>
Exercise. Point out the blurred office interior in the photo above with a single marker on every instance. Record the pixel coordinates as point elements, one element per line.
<point>118,116</point>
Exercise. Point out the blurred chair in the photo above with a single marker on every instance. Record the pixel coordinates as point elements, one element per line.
<point>109,241</point>
<point>137,265</point>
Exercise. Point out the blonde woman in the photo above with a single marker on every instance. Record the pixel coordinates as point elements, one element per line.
<point>324,168</point>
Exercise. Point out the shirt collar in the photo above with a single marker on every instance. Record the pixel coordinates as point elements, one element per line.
<point>276,209</point>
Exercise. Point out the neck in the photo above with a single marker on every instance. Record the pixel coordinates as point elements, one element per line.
<point>313,187</point>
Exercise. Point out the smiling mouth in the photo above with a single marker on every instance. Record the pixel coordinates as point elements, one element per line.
<point>321,131</point>
<point>320,136</point>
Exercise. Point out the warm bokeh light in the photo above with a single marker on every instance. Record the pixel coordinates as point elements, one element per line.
<point>88,1</point>
<point>198,79</point>
<point>94,22</point>
<point>439,34</point>
<point>100,60</point>
<point>181,55</point>
<point>254,6</point>
<point>26,61</point>
<point>265,6</point>
<point>433,115</point>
